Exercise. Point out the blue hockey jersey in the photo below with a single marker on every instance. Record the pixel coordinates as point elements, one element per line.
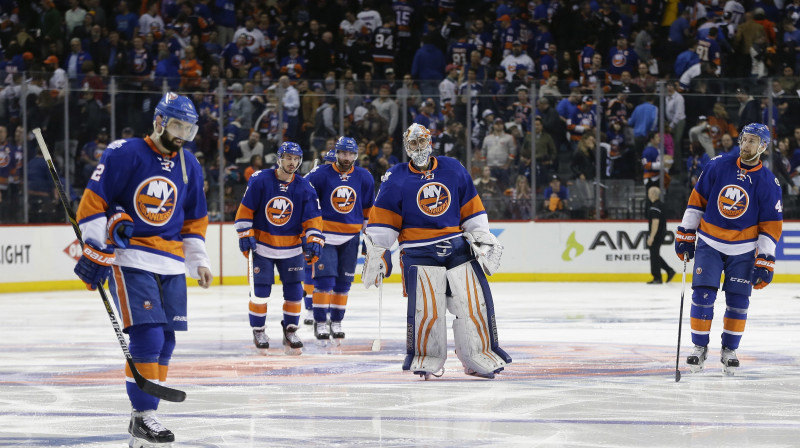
<point>280,213</point>
<point>170,218</point>
<point>345,198</point>
<point>424,207</point>
<point>736,209</point>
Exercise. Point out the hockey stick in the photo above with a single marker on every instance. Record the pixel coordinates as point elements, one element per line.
<point>680,319</point>
<point>376,344</point>
<point>250,276</point>
<point>147,386</point>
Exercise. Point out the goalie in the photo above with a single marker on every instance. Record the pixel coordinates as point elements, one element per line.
<point>431,207</point>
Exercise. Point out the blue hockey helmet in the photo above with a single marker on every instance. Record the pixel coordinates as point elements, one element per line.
<point>178,116</point>
<point>292,149</point>
<point>758,129</point>
<point>330,156</point>
<point>346,144</point>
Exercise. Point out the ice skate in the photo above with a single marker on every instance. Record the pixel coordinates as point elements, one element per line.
<point>322,333</point>
<point>697,359</point>
<point>427,375</point>
<point>260,338</point>
<point>729,361</point>
<point>292,344</point>
<point>471,372</point>
<point>309,319</point>
<point>147,432</point>
<point>336,332</point>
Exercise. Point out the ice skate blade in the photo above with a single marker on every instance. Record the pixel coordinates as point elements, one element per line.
<point>694,368</point>
<point>292,351</point>
<point>322,343</point>
<point>488,376</point>
<point>308,321</point>
<point>728,370</point>
<point>424,375</point>
<point>141,443</point>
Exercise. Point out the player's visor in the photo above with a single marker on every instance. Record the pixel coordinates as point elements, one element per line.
<point>181,129</point>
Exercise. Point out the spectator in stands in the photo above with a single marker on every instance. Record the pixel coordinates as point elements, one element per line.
<point>556,200</point>
<point>167,68</point>
<point>236,56</point>
<point>151,22</point>
<point>500,152</point>
<point>76,59</point>
<point>373,128</point>
<point>643,120</point>
<point>675,115</point>
<point>428,66</point>
<point>699,135</point>
<point>729,145</point>
<point>521,198</point>
<point>550,89</point>
<point>749,109</point>
<point>719,125</point>
<point>653,162</point>
<point>51,26</point>
<point>126,22</point>
<point>621,59</point>
<point>583,121</point>
<point>644,79</point>
<point>387,108</point>
<point>249,148</point>
<point>491,193</point>
<point>449,86</point>
<point>410,91</point>
<point>256,164</point>
<point>583,159</point>
<point>695,164</point>
<point>546,153</point>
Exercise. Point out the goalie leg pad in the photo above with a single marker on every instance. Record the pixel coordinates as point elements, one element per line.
<point>426,332</point>
<point>474,328</point>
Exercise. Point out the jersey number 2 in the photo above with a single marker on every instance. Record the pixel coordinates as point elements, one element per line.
<point>98,172</point>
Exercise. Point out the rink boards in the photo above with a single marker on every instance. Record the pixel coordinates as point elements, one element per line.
<point>36,258</point>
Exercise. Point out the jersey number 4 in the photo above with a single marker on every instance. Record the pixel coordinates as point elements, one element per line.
<point>98,172</point>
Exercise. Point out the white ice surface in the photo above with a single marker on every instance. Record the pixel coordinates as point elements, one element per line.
<point>594,366</point>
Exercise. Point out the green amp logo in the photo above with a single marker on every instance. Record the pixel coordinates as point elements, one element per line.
<point>573,250</point>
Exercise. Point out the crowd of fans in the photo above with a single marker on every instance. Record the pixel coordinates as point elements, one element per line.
<point>488,78</point>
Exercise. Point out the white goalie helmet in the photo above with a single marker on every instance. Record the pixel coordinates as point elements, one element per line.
<point>417,144</point>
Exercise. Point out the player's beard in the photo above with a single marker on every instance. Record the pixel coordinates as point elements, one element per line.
<point>168,144</point>
<point>344,165</point>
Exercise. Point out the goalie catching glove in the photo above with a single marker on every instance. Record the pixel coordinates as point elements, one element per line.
<point>377,263</point>
<point>487,250</point>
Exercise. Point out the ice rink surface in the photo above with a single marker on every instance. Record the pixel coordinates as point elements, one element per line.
<point>593,367</point>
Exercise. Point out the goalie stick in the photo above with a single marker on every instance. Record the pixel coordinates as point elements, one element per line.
<point>376,344</point>
<point>147,386</point>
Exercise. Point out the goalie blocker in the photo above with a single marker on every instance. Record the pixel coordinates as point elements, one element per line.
<point>446,276</point>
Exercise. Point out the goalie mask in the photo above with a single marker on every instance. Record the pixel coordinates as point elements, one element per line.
<point>417,143</point>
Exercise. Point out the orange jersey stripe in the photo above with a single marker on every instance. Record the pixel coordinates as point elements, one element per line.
<point>340,227</point>
<point>380,215</point>
<point>473,206</point>
<point>244,212</point>
<point>277,240</point>
<point>91,204</point>
<point>162,372</point>
<point>701,324</point>
<point>122,296</point>
<point>735,325</point>
<point>313,223</point>
<point>366,212</point>
<point>435,316</point>
<point>414,234</point>
<point>195,226</point>
<point>339,299</point>
<point>158,244</point>
<point>321,298</point>
<point>697,201</point>
<point>148,370</point>
<point>771,228</point>
<point>750,233</point>
<point>486,343</point>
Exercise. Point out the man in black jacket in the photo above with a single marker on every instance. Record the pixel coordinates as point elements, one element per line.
<point>749,108</point>
<point>657,230</point>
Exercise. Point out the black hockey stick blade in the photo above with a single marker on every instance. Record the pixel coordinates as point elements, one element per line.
<point>147,386</point>
<point>156,390</point>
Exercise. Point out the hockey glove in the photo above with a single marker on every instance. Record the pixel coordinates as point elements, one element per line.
<point>247,241</point>
<point>120,229</point>
<point>487,250</point>
<point>684,242</point>
<point>377,263</point>
<point>313,249</point>
<point>95,264</point>
<point>763,270</point>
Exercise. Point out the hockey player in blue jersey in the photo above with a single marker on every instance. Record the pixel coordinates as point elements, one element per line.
<point>144,218</point>
<point>308,278</point>
<point>431,207</point>
<point>279,221</point>
<point>735,216</point>
<point>346,194</point>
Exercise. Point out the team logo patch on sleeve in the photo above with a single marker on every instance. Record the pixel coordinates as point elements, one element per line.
<point>343,199</point>
<point>155,200</point>
<point>732,201</point>
<point>279,210</point>
<point>433,199</point>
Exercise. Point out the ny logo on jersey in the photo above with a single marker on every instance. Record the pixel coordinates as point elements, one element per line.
<point>433,199</point>
<point>279,210</point>
<point>732,201</point>
<point>343,199</point>
<point>155,200</point>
